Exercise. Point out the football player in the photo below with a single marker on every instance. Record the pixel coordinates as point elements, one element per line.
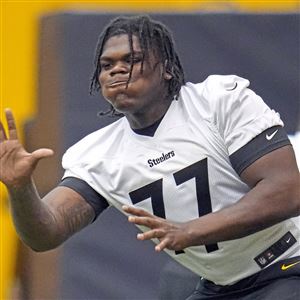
<point>205,170</point>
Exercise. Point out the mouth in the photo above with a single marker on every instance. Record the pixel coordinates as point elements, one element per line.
<point>117,83</point>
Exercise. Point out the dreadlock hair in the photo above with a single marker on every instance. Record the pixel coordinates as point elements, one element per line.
<point>152,36</point>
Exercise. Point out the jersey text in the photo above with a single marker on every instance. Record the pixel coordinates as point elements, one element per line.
<point>162,158</point>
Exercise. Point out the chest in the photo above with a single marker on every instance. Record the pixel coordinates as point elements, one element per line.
<point>174,175</point>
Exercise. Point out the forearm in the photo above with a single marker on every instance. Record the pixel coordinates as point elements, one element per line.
<point>262,207</point>
<point>33,219</point>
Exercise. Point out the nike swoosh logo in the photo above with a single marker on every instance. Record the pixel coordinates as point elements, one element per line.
<point>269,137</point>
<point>231,89</point>
<point>285,267</point>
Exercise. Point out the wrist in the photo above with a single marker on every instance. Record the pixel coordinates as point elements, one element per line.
<point>192,235</point>
<point>23,188</point>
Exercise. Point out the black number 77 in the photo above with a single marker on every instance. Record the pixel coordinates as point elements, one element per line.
<point>154,191</point>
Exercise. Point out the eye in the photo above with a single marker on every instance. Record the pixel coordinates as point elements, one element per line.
<point>137,59</point>
<point>105,65</point>
<point>134,60</point>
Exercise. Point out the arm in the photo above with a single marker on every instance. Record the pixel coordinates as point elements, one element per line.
<point>41,223</point>
<point>44,224</point>
<point>274,196</point>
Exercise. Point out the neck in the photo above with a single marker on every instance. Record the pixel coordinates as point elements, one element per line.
<point>150,116</point>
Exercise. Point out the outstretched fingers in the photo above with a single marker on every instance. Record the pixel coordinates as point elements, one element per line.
<point>162,245</point>
<point>150,222</point>
<point>41,153</point>
<point>136,211</point>
<point>166,232</point>
<point>11,124</point>
<point>164,241</point>
<point>3,136</point>
<point>151,234</point>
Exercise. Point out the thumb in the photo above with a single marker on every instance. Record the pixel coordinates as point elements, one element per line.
<point>42,153</point>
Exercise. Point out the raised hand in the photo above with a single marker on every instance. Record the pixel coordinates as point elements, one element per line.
<point>172,236</point>
<point>16,164</point>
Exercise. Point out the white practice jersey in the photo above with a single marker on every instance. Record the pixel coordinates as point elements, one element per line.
<point>184,170</point>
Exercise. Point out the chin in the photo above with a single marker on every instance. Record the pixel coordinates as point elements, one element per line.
<point>123,104</point>
<point>124,109</point>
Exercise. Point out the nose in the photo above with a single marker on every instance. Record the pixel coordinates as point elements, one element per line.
<point>119,68</point>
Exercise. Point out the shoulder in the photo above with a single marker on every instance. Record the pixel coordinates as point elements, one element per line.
<point>96,144</point>
<point>216,94</point>
<point>216,84</point>
<point>236,112</point>
<point>216,89</point>
<point>223,83</point>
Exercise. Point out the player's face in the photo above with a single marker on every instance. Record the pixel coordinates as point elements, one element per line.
<point>146,92</point>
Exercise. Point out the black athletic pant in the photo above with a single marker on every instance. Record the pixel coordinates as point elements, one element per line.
<point>280,281</point>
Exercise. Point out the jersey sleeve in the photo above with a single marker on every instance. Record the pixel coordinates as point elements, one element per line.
<point>78,162</point>
<point>269,140</point>
<point>97,201</point>
<point>238,112</point>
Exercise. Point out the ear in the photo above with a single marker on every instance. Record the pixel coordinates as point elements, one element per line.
<point>167,75</point>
